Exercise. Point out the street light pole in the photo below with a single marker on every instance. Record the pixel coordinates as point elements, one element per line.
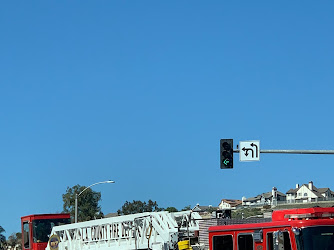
<point>77,195</point>
<point>76,208</point>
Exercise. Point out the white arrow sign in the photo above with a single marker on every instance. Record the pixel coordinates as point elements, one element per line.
<point>249,150</point>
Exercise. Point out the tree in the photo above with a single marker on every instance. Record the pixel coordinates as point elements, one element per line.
<point>171,209</point>
<point>139,207</point>
<point>2,239</point>
<point>14,240</point>
<point>88,203</point>
<point>186,208</point>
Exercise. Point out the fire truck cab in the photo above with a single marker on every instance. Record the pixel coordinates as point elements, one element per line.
<point>293,229</point>
<point>36,229</point>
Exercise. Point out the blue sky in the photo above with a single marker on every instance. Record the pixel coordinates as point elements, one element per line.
<point>141,92</point>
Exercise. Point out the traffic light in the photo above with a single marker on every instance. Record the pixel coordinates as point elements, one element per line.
<point>226,153</point>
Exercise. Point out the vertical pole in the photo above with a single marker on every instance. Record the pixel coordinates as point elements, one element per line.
<point>76,209</point>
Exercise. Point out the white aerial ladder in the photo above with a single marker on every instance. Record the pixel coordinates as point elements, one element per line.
<point>151,230</point>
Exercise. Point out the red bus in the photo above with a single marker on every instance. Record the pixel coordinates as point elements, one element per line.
<point>36,229</point>
<point>292,229</point>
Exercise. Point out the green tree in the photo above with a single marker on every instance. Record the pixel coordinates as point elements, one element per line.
<point>88,203</point>
<point>186,208</point>
<point>171,209</point>
<point>139,207</point>
<point>14,240</point>
<point>2,239</point>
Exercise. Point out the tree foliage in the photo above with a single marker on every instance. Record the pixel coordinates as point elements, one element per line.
<point>14,240</point>
<point>139,207</point>
<point>88,203</point>
<point>2,238</point>
<point>171,209</point>
<point>186,208</point>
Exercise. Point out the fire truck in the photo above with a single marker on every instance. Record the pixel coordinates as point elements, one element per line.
<point>292,229</point>
<point>36,229</point>
<point>150,230</point>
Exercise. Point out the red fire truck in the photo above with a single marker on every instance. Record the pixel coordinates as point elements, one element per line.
<point>292,229</point>
<point>36,229</point>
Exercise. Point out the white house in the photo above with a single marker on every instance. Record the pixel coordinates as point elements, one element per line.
<point>229,204</point>
<point>308,193</point>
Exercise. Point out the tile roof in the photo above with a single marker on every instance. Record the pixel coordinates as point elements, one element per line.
<point>232,202</point>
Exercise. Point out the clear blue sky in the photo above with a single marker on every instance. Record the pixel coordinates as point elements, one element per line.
<point>141,92</point>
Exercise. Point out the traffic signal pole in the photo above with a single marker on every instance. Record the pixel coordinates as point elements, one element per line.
<point>285,151</point>
<point>250,151</point>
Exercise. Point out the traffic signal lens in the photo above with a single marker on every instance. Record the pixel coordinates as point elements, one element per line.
<point>226,146</point>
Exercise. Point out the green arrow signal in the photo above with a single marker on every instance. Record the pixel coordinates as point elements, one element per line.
<point>226,162</point>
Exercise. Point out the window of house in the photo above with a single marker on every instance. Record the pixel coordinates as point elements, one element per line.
<point>245,242</point>
<point>305,194</point>
<point>299,194</point>
<point>286,238</point>
<point>222,242</point>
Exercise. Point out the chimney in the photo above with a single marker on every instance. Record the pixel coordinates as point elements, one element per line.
<point>297,185</point>
<point>310,185</point>
<point>274,194</point>
<point>243,199</point>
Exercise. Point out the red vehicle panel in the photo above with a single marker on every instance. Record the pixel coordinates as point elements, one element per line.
<point>36,229</point>
<point>293,229</point>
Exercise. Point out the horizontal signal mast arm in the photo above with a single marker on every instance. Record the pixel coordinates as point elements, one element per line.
<point>285,151</point>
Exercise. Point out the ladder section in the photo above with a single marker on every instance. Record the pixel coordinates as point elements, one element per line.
<point>188,223</point>
<point>153,230</point>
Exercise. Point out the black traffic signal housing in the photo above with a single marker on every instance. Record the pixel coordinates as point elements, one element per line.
<point>226,153</point>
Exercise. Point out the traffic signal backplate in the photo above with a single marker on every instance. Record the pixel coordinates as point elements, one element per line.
<point>226,153</point>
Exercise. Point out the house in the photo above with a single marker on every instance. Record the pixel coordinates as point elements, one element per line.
<point>212,212</point>
<point>229,204</point>
<point>269,198</point>
<point>204,209</point>
<point>308,193</point>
